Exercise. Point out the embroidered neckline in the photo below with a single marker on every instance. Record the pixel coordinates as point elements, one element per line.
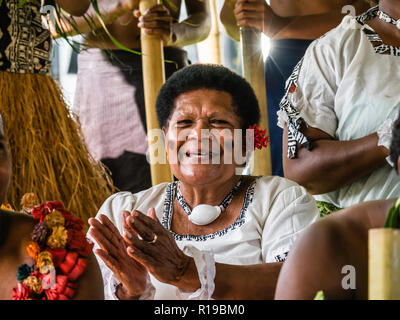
<point>379,46</point>
<point>169,206</point>
<point>224,204</point>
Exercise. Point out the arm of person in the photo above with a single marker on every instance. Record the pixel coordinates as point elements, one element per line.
<point>259,15</point>
<point>314,264</point>
<point>234,282</point>
<point>228,19</point>
<point>195,27</point>
<point>310,26</point>
<point>91,282</point>
<point>308,114</point>
<point>158,21</point>
<point>316,261</point>
<point>291,211</point>
<point>74,7</point>
<point>109,10</point>
<point>332,164</point>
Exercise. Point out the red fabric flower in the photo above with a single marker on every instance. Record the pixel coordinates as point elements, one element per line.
<point>73,223</point>
<point>56,292</point>
<point>52,294</point>
<point>42,210</point>
<point>73,285</point>
<point>21,292</point>
<point>69,262</point>
<point>61,283</point>
<point>260,138</point>
<point>78,269</point>
<point>69,292</point>
<point>58,255</point>
<point>78,242</point>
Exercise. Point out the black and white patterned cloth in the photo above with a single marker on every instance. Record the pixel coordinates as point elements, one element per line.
<point>289,112</point>
<point>24,45</point>
<point>373,37</point>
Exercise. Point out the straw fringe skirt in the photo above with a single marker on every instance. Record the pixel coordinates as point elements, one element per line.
<point>49,157</point>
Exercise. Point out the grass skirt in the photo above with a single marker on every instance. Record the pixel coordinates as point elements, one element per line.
<point>49,157</point>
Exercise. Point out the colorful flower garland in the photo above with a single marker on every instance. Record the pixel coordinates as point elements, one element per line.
<point>59,249</point>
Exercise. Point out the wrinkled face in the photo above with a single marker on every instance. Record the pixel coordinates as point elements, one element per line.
<point>199,137</point>
<point>5,165</point>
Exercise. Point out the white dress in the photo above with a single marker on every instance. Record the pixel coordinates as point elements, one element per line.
<point>347,85</point>
<point>274,212</point>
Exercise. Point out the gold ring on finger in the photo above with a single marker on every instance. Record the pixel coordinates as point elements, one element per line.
<point>154,239</point>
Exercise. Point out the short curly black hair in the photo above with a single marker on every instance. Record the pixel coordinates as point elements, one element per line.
<point>395,144</point>
<point>208,76</point>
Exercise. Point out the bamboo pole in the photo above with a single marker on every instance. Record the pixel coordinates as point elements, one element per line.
<point>253,72</point>
<point>153,79</point>
<point>384,264</point>
<point>209,50</point>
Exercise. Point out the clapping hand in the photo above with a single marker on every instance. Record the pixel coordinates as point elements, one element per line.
<point>156,248</point>
<point>113,251</point>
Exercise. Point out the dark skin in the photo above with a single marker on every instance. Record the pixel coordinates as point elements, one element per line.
<point>16,228</point>
<point>298,19</point>
<point>13,254</point>
<point>316,261</point>
<point>333,242</point>
<point>15,235</point>
<point>124,22</point>
<point>200,183</point>
<point>341,162</point>
<point>74,7</point>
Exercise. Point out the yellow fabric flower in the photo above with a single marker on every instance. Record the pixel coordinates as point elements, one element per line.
<point>58,238</point>
<point>54,219</point>
<point>6,207</point>
<point>29,201</point>
<point>34,283</point>
<point>33,250</point>
<point>44,261</point>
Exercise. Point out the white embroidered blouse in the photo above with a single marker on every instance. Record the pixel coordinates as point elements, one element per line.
<point>346,85</point>
<point>274,212</point>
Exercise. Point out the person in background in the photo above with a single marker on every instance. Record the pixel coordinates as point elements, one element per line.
<point>49,155</point>
<point>341,239</point>
<point>109,98</point>
<point>291,25</point>
<point>16,234</point>
<point>336,120</point>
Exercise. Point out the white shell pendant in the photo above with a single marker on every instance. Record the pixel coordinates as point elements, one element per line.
<point>204,214</point>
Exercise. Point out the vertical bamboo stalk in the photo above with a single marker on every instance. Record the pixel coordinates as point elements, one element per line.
<point>384,264</point>
<point>209,50</point>
<point>253,72</point>
<point>153,79</point>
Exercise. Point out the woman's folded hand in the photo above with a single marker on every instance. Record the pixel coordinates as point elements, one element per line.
<point>153,246</point>
<point>113,251</point>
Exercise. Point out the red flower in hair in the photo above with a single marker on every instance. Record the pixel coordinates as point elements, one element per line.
<point>260,138</point>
